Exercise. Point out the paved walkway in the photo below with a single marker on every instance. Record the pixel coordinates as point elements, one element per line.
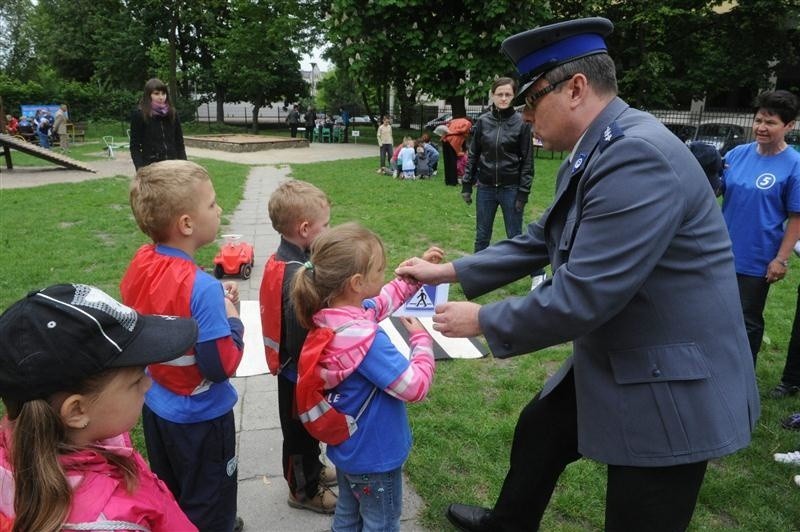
<point>262,489</point>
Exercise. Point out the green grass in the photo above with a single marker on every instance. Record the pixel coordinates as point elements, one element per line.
<point>84,232</point>
<point>463,431</point>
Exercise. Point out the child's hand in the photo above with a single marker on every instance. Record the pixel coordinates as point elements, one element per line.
<point>231,291</point>
<point>433,254</point>
<point>412,325</point>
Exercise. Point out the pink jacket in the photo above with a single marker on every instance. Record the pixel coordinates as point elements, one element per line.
<point>355,329</point>
<point>100,499</point>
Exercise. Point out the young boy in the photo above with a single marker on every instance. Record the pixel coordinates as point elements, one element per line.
<point>299,211</point>
<point>188,413</point>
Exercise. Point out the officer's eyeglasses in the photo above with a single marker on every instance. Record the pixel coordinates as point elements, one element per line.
<point>531,99</point>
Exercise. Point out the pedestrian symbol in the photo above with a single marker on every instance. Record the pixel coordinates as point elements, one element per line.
<point>424,301</point>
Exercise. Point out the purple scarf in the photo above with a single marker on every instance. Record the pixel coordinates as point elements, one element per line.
<point>159,109</point>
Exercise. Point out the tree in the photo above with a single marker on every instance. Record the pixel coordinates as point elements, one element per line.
<point>337,90</point>
<point>674,51</point>
<point>448,49</point>
<point>259,63</point>
<point>16,38</point>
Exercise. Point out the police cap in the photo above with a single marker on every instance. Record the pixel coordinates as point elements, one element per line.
<point>541,49</point>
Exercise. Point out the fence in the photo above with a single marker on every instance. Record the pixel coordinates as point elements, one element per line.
<point>723,128</point>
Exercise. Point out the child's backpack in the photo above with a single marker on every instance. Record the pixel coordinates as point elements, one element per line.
<point>318,416</point>
<point>422,167</point>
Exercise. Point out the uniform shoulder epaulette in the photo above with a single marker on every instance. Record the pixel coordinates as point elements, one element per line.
<point>610,135</point>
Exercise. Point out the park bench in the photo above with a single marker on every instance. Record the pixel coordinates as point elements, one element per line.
<point>76,131</point>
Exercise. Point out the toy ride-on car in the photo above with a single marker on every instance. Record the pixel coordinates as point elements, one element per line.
<point>235,257</point>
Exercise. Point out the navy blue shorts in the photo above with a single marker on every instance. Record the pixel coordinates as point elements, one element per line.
<point>198,462</point>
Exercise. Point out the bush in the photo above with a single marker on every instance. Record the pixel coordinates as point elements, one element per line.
<point>87,101</point>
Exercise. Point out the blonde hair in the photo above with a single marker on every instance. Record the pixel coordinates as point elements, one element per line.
<point>42,494</point>
<point>336,255</point>
<point>163,191</point>
<point>294,202</point>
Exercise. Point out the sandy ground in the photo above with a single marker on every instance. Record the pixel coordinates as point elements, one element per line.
<point>21,177</point>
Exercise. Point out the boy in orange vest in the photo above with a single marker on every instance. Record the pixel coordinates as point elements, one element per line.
<point>188,413</point>
<point>299,211</point>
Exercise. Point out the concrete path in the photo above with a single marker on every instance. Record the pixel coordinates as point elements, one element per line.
<point>262,488</point>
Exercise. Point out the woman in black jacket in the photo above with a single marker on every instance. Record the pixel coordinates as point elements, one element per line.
<point>156,133</point>
<point>500,164</point>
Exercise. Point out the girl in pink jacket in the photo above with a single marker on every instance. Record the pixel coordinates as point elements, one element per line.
<point>73,382</point>
<point>342,289</point>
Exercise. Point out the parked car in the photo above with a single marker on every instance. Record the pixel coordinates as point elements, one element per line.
<point>443,119</point>
<point>360,120</point>
<point>682,131</point>
<point>723,136</point>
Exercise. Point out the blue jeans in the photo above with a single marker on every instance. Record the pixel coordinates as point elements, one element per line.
<point>486,203</point>
<point>44,141</point>
<point>370,502</point>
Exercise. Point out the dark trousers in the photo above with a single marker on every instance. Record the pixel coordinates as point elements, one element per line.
<point>546,442</point>
<point>386,154</point>
<point>301,465</point>
<point>791,370</point>
<point>293,130</point>
<point>310,132</point>
<point>450,172</point>
<point>487,201</point>
<point>197,462</point>
<point>753,295</point>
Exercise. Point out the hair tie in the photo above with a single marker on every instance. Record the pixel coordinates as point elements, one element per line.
<point>308,266</point>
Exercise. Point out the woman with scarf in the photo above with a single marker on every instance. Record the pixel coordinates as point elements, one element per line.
<point>156,133</point>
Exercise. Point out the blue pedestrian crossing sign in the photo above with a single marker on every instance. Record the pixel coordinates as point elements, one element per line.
<point>424,301</point>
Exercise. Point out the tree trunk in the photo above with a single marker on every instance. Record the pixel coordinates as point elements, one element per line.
<point>368,109</point>
<point>406,100</point>
<point>256,109</point>
<point>258,103</point>
<point>172,83</point>
<point>458,106</point>
<point>220,91</point>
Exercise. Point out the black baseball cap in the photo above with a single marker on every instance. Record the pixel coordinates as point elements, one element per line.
<point>536,51</point>
<point>55,338</point>
<point>709,158</point>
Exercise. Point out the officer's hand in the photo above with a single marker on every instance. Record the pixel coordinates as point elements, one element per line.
<point>467,197</point>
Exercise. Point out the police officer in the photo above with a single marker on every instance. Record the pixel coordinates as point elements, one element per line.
<point>661,379</point>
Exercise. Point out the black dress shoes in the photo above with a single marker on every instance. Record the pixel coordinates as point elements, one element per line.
<point>470,518</point>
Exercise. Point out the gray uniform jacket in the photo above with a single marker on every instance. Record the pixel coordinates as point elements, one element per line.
<point>644,285</point>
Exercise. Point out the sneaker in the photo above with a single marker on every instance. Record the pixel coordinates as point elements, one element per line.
<point>796,479</point>
<point>238,526</point>
<point>792,422</point>
<point>327,477</point>
<point>797,248</point>
<point>380,171</point>
<point>536,280</point>
<point>784,390</point>
<point>324,502</point>
<point>792,457</point>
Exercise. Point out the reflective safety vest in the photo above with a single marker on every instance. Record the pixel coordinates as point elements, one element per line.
<point>160,284</point>
<point>270,297</point>
<point>318,416</point>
